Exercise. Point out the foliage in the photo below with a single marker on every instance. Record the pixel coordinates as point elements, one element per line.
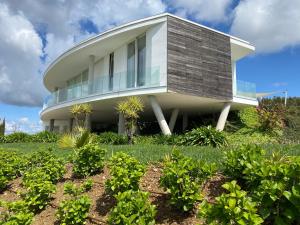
<point>133,207</point>
<point>182,178</point>
<point>249,117</point>
<point>17,137</point>
<point>11,166</point>
<point>44,137</point>
<point>207,136</point>
<point>112,138</point>
<point>76,139</point>
<point>2,127</point>
<point>166,139</point>
<point>273,182</point>
<point>234,207</point>
<point>88,160</point>
<point>15,213</point>
<point>80,113</point>
<point>130,109</point>
<point>75,208</point>
<point>125,173</point>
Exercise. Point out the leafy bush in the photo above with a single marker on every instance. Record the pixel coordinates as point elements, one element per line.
<point>249,117</point>
<point>273,182</point>
<point>125,173</point>
<point>133,207</point>
<point>77,139</point>
<point>182,178</point>
<point>234,207</point>
<point>11,166</point>
<point>207,136</point>
<point>17,137</point>
<point>75,209</point>
<point>112,138</point>
<point>166,139</point>
<point>44,137</point>
<point>88,160</point>
<point>15,213</point>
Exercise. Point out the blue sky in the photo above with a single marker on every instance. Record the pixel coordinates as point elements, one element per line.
<point>35,32</point>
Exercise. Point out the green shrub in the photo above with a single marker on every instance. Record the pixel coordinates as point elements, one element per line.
<point>44,137</point>
<point>15,213</point>
<point>88,160</point>
<point>133,207</point>
<point>166,139</point>
<point>249,117</point>
<point>203,136</point>
<point>74,209</point>
<point>125,173</point>
<point>182,178</point>
<point>18,137</point>
<point>233,208</point>
<point>112,138</point>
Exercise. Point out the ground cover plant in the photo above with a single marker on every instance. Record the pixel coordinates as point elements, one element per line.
<point>21,137</point>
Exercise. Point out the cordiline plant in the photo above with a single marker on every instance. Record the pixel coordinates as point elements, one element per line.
<point>182,178</point>
<point>234,207</point>
<point>125,172</point>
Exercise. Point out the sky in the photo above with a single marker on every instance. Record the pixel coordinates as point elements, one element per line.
<point>34,32</point>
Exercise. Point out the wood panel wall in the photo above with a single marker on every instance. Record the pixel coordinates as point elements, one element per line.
<point>199,61</point>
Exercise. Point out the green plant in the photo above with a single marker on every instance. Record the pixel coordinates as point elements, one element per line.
<point>112,138</point>
<point>44,137</point>
<point>18,137</point>
<point>88,160</point>
<point>166,139</point>
<point>182,178</point>
<point>233,208</point>
<point>2,127</point>
<point>130,109</point>
<point>249,117</point>
<point>81,113</point>
<point>75,209</point>
<point>133,207</point>
<point>15,213</point>
<point>125,173</point>
<point>76,139</point>
<point>207,136</point>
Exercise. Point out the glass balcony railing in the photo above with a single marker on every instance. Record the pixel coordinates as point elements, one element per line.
<point>104,85</point>
<point>245,89</point>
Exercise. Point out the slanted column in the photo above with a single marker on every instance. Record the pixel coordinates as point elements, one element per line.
<point>223,116</point>
<point>159,116</point>
<point>173,119</point>
<point>91,73</point>
<point>121,124</point>
<point>51,125</point>
<point>185,120</point>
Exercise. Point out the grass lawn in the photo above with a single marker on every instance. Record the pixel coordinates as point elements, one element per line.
<point>149,153</point>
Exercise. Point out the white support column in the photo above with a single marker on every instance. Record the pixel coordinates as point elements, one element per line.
<point>185,120</point>
<point>159,116</point>
<point>173,119</point>
<point>91,72</point>
<point>121,124</point>
<point>223,116</point>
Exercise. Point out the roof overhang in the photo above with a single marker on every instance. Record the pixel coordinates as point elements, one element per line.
<point>240,48</point>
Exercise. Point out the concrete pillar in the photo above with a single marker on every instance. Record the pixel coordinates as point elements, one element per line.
<point>51,125</point>
<point>71,121</point>
<point>88,122</point>
<point>223,116</point>
<point>91,73</point>
<point>185,121</point>
<point>121,124</point>
<point>159,116</point>
<point>173,119</point>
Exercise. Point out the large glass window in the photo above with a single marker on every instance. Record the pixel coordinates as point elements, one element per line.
<point>131,64</point>
<point>141,66</point>
<point>111,71</point>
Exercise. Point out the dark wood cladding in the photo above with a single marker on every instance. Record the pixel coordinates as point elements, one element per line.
<point>199,61</point>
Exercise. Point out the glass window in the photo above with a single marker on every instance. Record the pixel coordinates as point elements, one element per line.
<point>111,71</point>
<point>141,67</point>
<point>131,64</point>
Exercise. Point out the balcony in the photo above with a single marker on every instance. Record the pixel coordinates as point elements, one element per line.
<point>245,89</point>
<point>106,85</point>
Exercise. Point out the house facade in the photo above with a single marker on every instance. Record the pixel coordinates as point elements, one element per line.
<point>177,67</point>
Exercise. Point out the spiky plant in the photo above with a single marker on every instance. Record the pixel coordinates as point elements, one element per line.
<point>131,108</point>
<point>80,113</point>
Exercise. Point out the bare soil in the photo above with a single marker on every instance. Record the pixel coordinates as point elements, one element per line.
<point>103,203</point>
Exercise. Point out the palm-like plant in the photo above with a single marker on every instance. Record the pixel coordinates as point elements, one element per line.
<point>130,108</point>
<point>80,113</point>
<point>76,139</point>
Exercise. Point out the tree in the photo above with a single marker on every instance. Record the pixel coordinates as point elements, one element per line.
<point>81,113</point>
<point>130,108</point>
<point>2,127</point>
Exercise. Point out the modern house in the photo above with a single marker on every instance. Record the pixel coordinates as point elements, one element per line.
<point>179,69</point>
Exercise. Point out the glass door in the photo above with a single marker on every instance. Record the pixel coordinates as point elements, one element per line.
<point>141,66</point>
<point>131,65</point>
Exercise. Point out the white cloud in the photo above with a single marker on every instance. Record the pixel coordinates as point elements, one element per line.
<point>271,25</point>
<point>279,84</point>
<point>202,10</point>
<point>23,124</point>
